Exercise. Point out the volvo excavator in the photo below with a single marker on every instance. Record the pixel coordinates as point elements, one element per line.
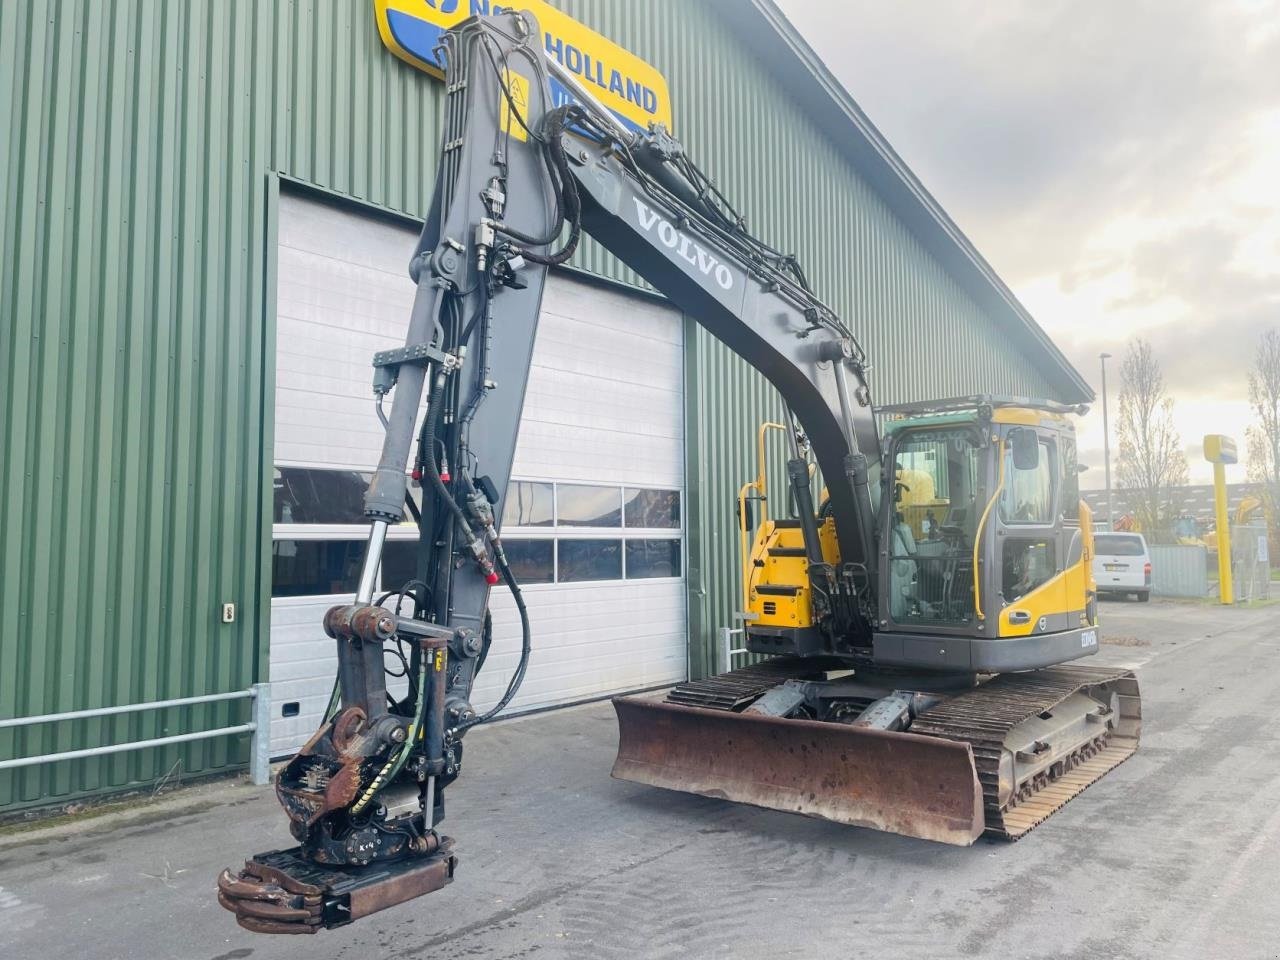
<point>916,603</point>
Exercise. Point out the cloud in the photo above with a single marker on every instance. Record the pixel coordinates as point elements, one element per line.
<point>1117,164</point>
<point>1041,118</point>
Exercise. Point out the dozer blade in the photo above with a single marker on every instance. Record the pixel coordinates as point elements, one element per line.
<point>899,782</point>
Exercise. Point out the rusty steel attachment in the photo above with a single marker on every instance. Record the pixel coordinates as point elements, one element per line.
<point>898,782</point>
<point>285,892</point>
<point>997,758</point>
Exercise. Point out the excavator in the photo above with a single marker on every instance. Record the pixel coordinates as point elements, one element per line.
<point>916,602</point>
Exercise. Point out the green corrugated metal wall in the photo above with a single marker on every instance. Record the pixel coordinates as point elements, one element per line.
<point>136,348</point>
<point>137,177</point>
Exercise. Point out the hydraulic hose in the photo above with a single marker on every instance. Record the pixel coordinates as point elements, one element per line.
<point>396,761</point>
<point>570,205</point>
<point>526,647</point>
<point>429,437</point>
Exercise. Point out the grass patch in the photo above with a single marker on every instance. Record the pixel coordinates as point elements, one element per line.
<point>91,808</point>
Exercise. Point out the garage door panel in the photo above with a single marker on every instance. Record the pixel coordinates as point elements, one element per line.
<point>592,455</point>
<point>596,638</point>
<point>638,359</point>
<point>610,309</point>
<point>560,393</point>
<point>330,344</point>
<point>303,663</point>
<point>604,403</point>
<point>326,231</point>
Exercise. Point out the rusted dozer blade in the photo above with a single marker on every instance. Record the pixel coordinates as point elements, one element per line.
<point>284,892</point>
<point>899,782</point>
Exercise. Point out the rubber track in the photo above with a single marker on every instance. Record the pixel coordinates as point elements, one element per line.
<point>737,688</point>
<point>984,716</point>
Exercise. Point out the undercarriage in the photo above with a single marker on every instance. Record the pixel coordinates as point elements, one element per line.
<point>946,757</point>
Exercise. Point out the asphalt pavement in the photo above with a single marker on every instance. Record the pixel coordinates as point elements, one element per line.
<point>1174,854</point>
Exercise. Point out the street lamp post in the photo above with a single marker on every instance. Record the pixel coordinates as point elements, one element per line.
<point>1106,441</point>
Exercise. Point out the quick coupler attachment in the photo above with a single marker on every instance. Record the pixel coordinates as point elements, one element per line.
<point>283,892</point>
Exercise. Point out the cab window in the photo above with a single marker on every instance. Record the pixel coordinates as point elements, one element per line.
<point>935,511</point>
<point>1028,494</point>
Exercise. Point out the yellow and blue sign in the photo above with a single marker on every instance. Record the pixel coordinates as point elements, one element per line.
<point>1219,448</point>
<point>631,88</point>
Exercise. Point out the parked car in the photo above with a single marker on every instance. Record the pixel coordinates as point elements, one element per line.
<point>1122,565</point>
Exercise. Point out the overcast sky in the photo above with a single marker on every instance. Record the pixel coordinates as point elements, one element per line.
<point>1118,164</point>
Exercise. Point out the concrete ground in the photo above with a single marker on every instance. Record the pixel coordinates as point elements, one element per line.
<point>1175,854</point>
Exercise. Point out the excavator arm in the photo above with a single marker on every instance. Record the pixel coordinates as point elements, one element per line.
<point>520,178</point>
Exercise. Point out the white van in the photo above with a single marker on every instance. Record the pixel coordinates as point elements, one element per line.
<point>1122,565</point>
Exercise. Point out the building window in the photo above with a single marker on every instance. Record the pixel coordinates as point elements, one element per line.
<point>652,558</point>
<point>580,505</point>
<point>589,560</point>
<point>319,533</point>
<point>303,568</point>
<point>305,495</point>
<point>399,563</point>
<point>580,532</point>
<point>552,533</point>
<point>531,561</point>
<point>528,504</point>
<point>653,509</point>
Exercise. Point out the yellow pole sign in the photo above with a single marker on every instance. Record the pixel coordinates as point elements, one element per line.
<point>632,89</point>
<point>1221,450</point>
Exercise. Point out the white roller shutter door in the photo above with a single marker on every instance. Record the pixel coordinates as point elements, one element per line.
<point>603,409</point>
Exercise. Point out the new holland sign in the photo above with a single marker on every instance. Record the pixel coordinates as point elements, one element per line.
<point>630,87</point>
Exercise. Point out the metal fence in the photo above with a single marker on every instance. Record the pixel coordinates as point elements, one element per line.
<point>1179,571</point>
<point>259,727</point>
<point>1250,562</point>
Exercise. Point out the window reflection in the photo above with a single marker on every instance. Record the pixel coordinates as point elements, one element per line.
<point>651,508</point>
<point>653,558</point>
<point>305,495</point>
<point>531,561</point>
<point>528,504</point>
<point>1028,494</point>
<point>303,568</point>
<point>580,505</point>
<point>590,560</point>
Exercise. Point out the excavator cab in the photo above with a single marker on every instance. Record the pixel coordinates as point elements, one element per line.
<point>983,534</point>
<point>986,535</point>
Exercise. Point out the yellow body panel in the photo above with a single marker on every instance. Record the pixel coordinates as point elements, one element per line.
<point>1026,417</point>
<point>775,557</point>
<point>771,566</point>
<point>1069,591</point>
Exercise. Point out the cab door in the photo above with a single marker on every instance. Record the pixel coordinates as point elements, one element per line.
<point>1028,555</point>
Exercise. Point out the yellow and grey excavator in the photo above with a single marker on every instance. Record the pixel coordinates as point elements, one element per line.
<point>914,617</point>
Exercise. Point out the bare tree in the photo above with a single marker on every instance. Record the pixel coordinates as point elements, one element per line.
<point>1264,434</point>
<point>1151,463</point>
